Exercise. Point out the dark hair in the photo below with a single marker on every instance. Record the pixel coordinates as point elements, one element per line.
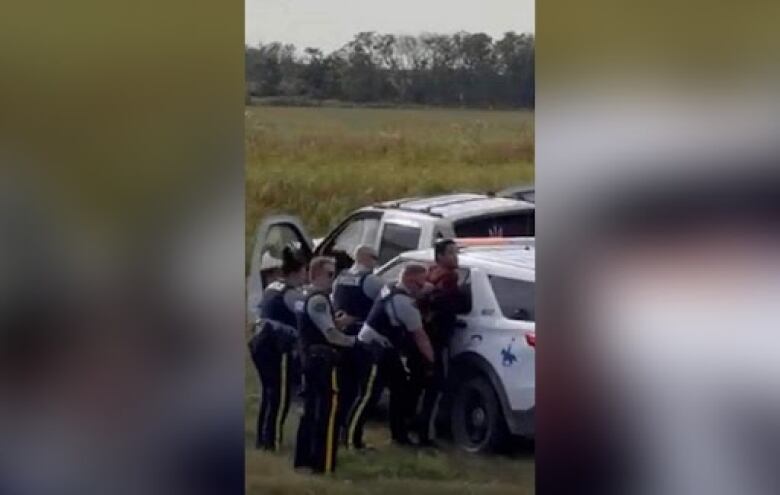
<point>292,261</point>
<point>440,247</point>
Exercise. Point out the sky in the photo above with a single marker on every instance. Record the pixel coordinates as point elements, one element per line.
<point>329,24</point>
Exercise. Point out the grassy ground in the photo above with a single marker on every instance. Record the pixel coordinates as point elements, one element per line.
<point>321,163</point>
<point>388,470</point>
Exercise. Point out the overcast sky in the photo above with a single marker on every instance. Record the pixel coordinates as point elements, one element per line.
<point>329,24</point>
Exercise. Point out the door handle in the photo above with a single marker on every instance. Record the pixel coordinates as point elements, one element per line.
<point>460,323</point>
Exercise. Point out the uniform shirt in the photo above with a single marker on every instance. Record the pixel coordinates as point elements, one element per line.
<point>401,309</point>
<point>291,298</point>
<point>319,310</point>
<point>372,284</point>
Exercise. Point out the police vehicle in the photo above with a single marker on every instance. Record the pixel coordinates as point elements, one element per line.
<point>490,393</point>
<point>392,227</point>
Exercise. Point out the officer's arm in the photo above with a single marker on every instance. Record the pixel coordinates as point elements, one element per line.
<point>423,344</point>
<point>373,286</point>
<point>290,298</point>
<point>412,320</point>
<point>319,312</point>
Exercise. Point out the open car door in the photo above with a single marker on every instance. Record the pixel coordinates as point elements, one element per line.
<point>273,234</point>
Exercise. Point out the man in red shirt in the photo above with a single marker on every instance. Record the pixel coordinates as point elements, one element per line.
<point>439,306</point>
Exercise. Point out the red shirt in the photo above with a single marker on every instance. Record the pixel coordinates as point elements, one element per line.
<point>443,278</point>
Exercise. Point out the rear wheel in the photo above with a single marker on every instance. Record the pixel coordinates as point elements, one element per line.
<point>476,420</point>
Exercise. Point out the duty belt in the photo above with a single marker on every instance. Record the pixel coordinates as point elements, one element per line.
<point>275,326</point>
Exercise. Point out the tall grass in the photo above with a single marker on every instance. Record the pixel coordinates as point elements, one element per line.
<point>321,163</point>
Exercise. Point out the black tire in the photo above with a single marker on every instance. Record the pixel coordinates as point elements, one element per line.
<point>475,418</point>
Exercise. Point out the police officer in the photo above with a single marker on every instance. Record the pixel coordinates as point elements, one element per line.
<point>356,289</point>
<point>321,340</point>
<point>354,293</point>
<point>393,327</point>
<point>271,348</point>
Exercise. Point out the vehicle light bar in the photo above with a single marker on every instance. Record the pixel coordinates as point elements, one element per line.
<point>495,241</point>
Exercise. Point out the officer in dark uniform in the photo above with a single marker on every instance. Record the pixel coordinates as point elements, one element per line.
<point>354,293</point>
<point>271,348</point>
<point>356,289</point>
<point>393,327</point>
<point>322,342</point>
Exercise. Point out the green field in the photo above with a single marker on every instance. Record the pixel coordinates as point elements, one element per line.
<point>320,163</point>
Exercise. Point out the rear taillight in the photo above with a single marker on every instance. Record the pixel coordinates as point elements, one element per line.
<point>530,339</point>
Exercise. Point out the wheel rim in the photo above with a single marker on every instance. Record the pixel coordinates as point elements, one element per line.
<point>476,419</point>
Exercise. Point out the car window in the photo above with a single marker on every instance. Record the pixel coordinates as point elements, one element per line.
<point>515,297</point>
<point>397,239</point>
<point>278,236</point>
<point>519,224</point>
<point>357,230</point>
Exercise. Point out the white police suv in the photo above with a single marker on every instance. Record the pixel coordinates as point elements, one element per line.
<point>490,392</point>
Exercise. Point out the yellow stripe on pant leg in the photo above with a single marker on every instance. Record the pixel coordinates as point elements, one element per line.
<point>282,399</point>
<point>361,406</point>
<point>331,421</point>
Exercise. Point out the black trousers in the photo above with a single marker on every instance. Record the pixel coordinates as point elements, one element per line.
<point>318,431</point>
<point>375,369</point>
<point>426,389</point>
<point>348,386</point>
<point>272,359</point>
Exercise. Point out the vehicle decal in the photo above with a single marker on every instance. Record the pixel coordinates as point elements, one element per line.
<point>496,231</point>
<point>508,358</point>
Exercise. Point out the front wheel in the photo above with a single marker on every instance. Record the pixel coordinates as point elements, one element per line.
<point>476,419</point>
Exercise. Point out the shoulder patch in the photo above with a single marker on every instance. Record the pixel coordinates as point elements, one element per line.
<point>349,280</point>
<point>276,285</point>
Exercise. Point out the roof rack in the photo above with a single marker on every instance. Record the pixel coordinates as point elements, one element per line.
<point>399,205</point>
<point>527,242</point>
<point>396,206</point>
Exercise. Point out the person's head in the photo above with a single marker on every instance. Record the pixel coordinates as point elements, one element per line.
<point>446,253</point>
<point>366,256</point>
<point>293,267</point>
<point>322,271</point>
<point>413,277</point>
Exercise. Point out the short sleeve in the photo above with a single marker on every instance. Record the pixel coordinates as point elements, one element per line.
<point>372,286</point>
<point>407,312</point>
<point>318,310</point>
<point>291,297</point>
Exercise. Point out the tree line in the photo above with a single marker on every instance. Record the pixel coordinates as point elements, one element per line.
<point>462,69</point>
